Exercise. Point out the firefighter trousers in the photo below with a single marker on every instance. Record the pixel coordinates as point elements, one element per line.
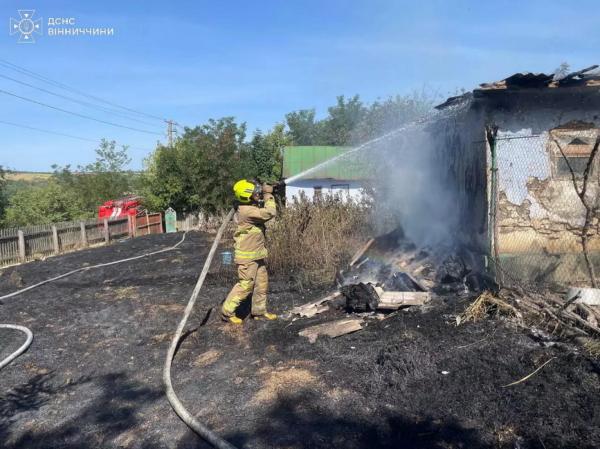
<point>253,279</point>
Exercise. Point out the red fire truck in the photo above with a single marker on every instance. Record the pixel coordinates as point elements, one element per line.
<point>123,207</point>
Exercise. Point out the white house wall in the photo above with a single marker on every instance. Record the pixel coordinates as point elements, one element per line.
<point>537,212</point>
<point>307,187</point>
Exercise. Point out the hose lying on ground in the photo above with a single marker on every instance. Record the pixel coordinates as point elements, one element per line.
<point>47,281</point>
<point>23,347</point>
<point>181,411</point>
<point>26,345</point>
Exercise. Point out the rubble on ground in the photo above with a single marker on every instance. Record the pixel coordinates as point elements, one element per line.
<point>392,264</point>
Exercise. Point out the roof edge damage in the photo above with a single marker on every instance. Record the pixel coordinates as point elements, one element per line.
<point>586,78</point>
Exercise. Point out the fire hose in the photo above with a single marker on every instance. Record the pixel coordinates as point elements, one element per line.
<point>178,407</point>
<point>23,347</point>
<point>28,332</point>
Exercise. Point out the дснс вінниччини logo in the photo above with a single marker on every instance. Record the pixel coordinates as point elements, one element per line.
<point>26,26</point>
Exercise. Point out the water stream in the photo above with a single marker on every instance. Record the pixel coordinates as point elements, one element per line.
<point>409,126</point>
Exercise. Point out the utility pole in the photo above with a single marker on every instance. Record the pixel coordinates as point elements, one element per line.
<point>171,131</point>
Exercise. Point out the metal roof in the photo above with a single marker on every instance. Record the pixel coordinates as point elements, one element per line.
<point>297,159</point>
<point>588,77</point>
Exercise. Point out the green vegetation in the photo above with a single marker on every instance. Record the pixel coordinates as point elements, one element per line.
<point>42,204</point>
<point>68,195</point>
<point>95,183</point>
<point>198,171</point>
<point>3,192</point>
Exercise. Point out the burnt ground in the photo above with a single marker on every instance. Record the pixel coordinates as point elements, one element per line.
<point>92,377</point>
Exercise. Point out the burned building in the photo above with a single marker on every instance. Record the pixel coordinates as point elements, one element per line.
<point>511,150</point>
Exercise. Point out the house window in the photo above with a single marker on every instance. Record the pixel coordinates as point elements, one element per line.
<point>571,145</point>
<point>578,165</point>
<point>340,188</point>
<point>318,192</point>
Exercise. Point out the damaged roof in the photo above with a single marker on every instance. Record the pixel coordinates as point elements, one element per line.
<point>588,77</point>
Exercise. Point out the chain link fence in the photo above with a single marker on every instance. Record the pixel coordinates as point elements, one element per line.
<point>537,216</point>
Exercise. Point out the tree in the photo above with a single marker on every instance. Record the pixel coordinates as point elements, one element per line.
<point>104,179</point>
<point>50,203</point>
<point>303,129</point>
<point>391,113</point>
<point>198,172</point>
<point>343,119</point>
<point>3,193</point>
<point>351,122</point>
<point>267,153</point>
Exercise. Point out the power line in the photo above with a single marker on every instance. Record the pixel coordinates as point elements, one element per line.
<point>75,100</point>
<point>76,114</point>
<point>72,89</point>
<point>86,139</point>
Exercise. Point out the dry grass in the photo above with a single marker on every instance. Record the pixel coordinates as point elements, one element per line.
<point>311,241</point>
<point>284,379</point>
<point>28,176</point>
<point>117,293</point>
<point>592,346</point>
<point>207,358</point>
<point>485,305</point>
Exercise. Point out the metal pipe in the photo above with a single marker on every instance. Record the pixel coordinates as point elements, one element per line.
<point>198,427</point>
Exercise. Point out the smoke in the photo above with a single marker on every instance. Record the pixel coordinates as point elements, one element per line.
<point>408,179</point>
<point>410,188</point>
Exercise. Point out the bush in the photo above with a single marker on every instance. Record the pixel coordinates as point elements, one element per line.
<point>310,241</point>
<point>42,204</point>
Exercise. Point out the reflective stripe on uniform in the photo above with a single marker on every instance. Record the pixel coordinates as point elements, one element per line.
<point>248,255</point>
<point>261,254</point>
<point>247,285</point>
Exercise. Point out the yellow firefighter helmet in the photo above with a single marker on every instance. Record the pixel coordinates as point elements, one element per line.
<point>243,190</point>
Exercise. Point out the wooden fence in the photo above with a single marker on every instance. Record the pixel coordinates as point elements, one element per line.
<point>19,245</point>
<point>199,222</point>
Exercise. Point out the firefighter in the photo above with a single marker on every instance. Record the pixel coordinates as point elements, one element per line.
<point>256,207</point>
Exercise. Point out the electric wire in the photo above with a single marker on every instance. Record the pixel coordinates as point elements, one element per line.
<point>76,114</point>
<point>66,87</point>
<point>85,139</point>
<point>75,100</point>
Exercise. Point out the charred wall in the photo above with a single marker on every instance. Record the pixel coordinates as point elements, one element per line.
<point>539,215</point>
<point>460,161</point>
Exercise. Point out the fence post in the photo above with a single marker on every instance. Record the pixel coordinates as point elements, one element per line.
<point>134,226</point>
<point>55,240</point>
<point>160,228</point>
<point>129,226</point>
<point>106,232</point>
<point>21,245</point>
<point>84,241</point>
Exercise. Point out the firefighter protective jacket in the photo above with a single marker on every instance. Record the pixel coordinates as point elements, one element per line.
<point>250,233</point>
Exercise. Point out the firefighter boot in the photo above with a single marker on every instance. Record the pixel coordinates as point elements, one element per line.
<point>265,316</point>
<point>232,319</point>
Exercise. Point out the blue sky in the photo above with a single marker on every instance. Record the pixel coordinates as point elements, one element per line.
<point>257,60</point>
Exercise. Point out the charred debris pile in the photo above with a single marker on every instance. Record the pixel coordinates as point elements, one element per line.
<point>390,273</point>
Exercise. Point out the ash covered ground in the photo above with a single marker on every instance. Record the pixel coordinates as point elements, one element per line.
<point>92,377</point>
